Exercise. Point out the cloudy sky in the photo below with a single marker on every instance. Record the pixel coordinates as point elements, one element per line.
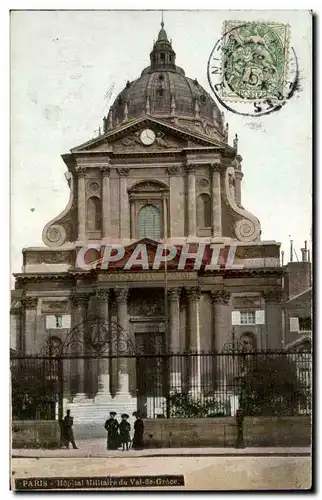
<point>64,63</point>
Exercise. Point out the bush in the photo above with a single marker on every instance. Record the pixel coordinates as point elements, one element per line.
<point>185,405</point>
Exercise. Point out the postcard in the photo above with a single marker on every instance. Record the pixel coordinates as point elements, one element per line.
<point>161,316</point>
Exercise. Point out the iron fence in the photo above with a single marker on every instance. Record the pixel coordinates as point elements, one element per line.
<point>187,385</point>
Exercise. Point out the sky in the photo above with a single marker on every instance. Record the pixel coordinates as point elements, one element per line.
<point>63,64</point>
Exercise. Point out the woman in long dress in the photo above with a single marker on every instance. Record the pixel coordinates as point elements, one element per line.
<point>137,443</point>
<point>113,437</point>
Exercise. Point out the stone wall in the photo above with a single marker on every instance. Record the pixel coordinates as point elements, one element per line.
<point>221,432</point>
<point>35,434</point>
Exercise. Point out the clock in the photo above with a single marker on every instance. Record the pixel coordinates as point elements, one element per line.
<point>147,137</point>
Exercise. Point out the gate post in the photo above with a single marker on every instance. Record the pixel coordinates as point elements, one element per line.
<point>60,369</point>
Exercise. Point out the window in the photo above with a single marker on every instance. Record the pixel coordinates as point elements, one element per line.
<point>162,57</point>
<point>204,210</point>
<point>58,321</point>
<point>247,318</point>
<point>305,324</point>
<point>149,223</point>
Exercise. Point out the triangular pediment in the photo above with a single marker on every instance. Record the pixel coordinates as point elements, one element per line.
<point>166,137</point>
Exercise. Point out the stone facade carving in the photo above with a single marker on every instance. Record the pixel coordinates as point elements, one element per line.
<point>105,169</point>
<point>123,172</point>
<point>174,293</point>
<point>79,299</point>
<point>203,183</point>
<point>121,295</point>
<point>29,302</point>
<point>220,297</point>
<point>93,187</point>
<point>54,257</point>
<point>193,293</point>
<point>60,307</point>
<point>247,227</point>
<point>147,305</point>
<point>63,227</point>
<point>80,169</point>
<point>191,168</point>
<point>243,302</point>
<point>173,170</point>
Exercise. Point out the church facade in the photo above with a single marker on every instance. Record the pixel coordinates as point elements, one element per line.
<point>160,179</point>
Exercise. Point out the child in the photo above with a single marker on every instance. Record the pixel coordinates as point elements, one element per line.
<point>124,429</point>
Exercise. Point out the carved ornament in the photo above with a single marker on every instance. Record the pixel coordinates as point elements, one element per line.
<point>174,294</point>
<point>123,172</point>
<point>29,302</point>
<point>54,257</point>
<point>191,168</point>
<point>220,297</point>
<point>193,293</point>
<point>173,170</point>
<point>247,228</point>
<point>121,295</point>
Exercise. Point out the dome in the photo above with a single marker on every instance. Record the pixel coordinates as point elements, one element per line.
<point>164,91</point>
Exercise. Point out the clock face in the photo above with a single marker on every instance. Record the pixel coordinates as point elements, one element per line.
<point>147,137</point>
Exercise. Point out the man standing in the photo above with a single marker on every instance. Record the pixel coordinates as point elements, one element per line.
<point>68,433</point>
<point>111,426</point>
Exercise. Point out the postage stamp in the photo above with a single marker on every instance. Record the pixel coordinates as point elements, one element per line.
<point>253,69</point>
<point>254,60</point>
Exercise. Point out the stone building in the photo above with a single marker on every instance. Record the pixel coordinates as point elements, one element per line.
<point>161,172</point>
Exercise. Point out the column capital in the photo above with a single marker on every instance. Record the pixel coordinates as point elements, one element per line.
<point>193,293</point>
<point>121,295</point>
<point>80,169</point>
<point>174,294</point>
<point>78,299</point>
<point>220,297</point>
<point>173,170</point>
<point>103,294</point>
<point>123,172</point>
<point>105,169</point>
<point>215,166</point>
<point>29,302</point>
<point>191,168</point>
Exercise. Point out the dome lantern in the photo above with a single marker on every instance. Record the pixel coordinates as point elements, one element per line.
<point>163,56</point>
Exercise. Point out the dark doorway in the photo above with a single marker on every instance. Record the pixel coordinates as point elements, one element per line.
<point>150,374</point>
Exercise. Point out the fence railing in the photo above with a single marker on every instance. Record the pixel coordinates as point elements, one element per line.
<point>187,385</point>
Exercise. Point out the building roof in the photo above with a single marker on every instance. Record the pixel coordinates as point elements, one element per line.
<point>163,90</point>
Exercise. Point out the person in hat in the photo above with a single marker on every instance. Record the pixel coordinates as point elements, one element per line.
<point>125,428</point>
<point>137,443</point>
<point>112,426</point>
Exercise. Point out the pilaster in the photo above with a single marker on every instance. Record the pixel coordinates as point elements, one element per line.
<point>191,185</point>
<point>106,171</point>
<point>216,201</point>
<point>81,202</point>
<point>124,204</point>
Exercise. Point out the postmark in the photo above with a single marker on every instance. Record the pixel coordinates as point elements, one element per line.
<point>252,68</point>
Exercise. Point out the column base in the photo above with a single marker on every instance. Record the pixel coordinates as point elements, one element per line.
<point>123,391</point>
<point>80,396</point>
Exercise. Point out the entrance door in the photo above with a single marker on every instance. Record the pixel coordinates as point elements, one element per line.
<point>150,374</point>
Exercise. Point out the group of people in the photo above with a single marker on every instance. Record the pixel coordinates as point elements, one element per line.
<point>118,433</point>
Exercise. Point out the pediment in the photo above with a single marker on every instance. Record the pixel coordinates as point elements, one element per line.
<point>168,137</point>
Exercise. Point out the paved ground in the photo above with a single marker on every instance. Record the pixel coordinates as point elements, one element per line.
<point>211,473</point>
<point>97,448</point>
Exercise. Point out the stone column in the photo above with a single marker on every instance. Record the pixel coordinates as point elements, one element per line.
<point>80,303</point>
<point>216,201</point>
<point>81,207</point>
<point>191,170</point>
<point>123,347</point>
<point>124,204</point>
<point>174,327</point>
<point>29,325</point>
<point>221,335</point>
<point>193,295</point>
<point>176,201</point>
<point>18,313</point>
<point>103,297</point>
<point>272,334</point>
<point>106,171</point>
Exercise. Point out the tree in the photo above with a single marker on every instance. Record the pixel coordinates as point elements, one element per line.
<point>271,386</point>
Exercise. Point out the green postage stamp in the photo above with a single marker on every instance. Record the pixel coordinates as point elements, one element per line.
<point>254,60</point>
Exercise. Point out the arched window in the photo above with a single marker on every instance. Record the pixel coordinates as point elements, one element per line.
<point>94,214</point>
<point>204,210</point>
<point>149,223</point>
